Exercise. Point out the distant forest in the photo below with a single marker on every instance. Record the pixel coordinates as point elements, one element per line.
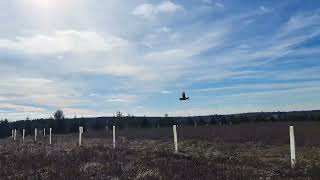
<point>61,125</point>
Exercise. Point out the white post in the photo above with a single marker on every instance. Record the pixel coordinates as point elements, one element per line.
<point>114,136</point>
<point>14,134</point>
<point>23,134</point>
<point>175,138</point>
<point>44,131</point>
<point>292,147</point>
<point>80,134</point>
<point>50,130</point>
<point>35,134</point>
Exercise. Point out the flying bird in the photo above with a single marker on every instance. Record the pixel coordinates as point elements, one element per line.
<point>183,98</point>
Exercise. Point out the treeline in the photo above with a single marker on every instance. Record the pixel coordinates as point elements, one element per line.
<point>62,125</point>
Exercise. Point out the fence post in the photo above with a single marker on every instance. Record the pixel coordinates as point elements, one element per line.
<point>35,134</point>
<point>44,131</point>
<point>50,130</point>
<point>80,135</point>
<point>114,136</point>
<point>175,138</point>
<point>23,134</point>
<point>15,134</point>
<point>292,147</point>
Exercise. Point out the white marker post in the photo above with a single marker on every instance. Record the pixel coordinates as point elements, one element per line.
<point>23,134</point>
<point>175,138</point>
<point>35,134</point>
<point>12,132</point>
<point>44,131</point>
<point>50,131</point>
<point>292,147</point>
<point>80,135</point>
<point>15,134</point>
<point>114,137</point>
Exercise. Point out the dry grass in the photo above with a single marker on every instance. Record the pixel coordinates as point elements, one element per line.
<point>259,151</point>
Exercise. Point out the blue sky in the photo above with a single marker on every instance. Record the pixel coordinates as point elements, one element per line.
<point>93,58</point>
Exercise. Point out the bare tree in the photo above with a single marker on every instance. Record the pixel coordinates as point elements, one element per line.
<point>60,123</point>
<point>58,115</point>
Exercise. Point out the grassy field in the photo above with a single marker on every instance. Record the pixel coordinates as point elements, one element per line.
<point>246,151</point>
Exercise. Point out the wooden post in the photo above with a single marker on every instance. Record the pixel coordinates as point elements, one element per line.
<point>44,131</point>
<point>80,135</point>
<point>50,131</point>
<point>23,134</point>
<point>15,134</point>
<point>114,136</point>
<point>175,138</point>
<point>292,147</point>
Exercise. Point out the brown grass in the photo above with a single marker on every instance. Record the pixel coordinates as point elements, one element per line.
<point>246,151</point>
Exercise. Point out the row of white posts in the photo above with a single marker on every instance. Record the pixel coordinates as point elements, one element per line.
<point>14,134</point>
<point>175,139</point>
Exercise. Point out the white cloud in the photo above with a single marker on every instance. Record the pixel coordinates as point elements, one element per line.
<point>168,7</point>
<point>144,10</point>
<point>164,29</point>
<point>65,41</point>
<point>264,9</point>
<point>166,92</point>
<point>117,70</point>
<point>212,2</point>
<point>228,64</point>
<point>122,98</point>
<point>23,108</point>
<point>207,1</point>
<point>82,112</point>
<point>220,5</point>
<point>195,46</point>
<point>260,87</point>
<point>150,11</point>
<point>38,91</point>
<point>303,21</point>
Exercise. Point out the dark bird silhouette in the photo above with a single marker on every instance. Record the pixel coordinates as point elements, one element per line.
<point>183,98</point>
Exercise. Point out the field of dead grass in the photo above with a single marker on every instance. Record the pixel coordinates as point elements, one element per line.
<point>247,151</point>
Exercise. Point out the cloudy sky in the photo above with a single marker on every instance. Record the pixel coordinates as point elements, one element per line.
<point>93,57</point>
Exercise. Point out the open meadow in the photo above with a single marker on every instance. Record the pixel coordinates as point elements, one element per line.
<point>245,151</point>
